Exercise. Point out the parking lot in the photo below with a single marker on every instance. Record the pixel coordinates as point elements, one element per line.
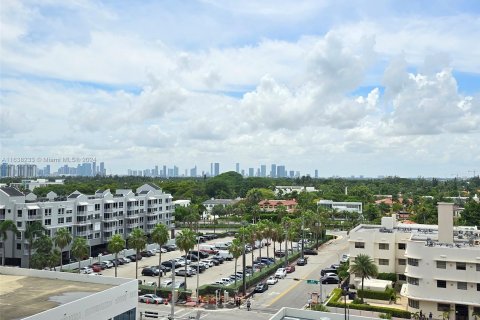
<point>209,276</point>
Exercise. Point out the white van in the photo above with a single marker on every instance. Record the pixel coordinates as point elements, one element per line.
<point>221,245</point>
<point>208,248</point>
<point>225,255</point>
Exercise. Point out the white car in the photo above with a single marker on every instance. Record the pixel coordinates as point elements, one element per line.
<point>86,270</point>
<point>150,298</point>
<point>281,273</point>
<point>209,262</point>
<point>162,250</point>
<point>345,257</point>
<point>109,264</point>
<point>205,264</point>
<point>272,280</point>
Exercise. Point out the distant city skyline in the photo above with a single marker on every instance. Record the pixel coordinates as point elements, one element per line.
<point>373,88</point>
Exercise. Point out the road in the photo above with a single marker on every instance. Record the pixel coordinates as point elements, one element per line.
<point>292,291</point>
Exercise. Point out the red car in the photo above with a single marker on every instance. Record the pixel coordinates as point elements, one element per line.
<point>290,269</point>
<point>96,268</point>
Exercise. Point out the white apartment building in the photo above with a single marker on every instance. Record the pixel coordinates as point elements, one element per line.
<point>341,206</point>
<point>32,184</point>
<point>95,217</point>
<point>289,189</point>
<point>440,264</point>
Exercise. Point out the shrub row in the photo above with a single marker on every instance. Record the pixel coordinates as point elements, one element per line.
<point>163,292</point>
<point>387,276</point>
<point>394,312</point>
<point>377,295</point>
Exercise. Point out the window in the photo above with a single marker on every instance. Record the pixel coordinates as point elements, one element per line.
<point>19,213</point>
<point>461,266</point>
<point>476,310</point>
<point>441,284</point>
<point>383,246</point>
<point>383,262</point>
<point>19,246</point>
<point>443,307</point>
<point>461,285</point>
<point>413,262</point>
<point>97,206</point>
<point>478,266</point>
<point>441,264</point>
<point>48,222</point>
<point>402,277</point>
<point>478,286</point>
<point>69,219</point>
<point>413,281</point>
<point>19,224</point>
<point>414,303</point>
<point>61,220</point>
<point>402,262</point>
<point>402,246</point>
<point>19,236</point>
<point>360,245</point>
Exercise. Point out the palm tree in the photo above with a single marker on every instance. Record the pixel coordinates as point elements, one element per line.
<point>62,239</point>
<point>236,249</point>
<point>364,267</point>
<point>5,226</point>
<point>250,237</point>
<point>137,240</point>
<point>275,235</point>
<point>79,249</point>
<point>33,230</point>
<point>160,236</point>
<point>115,245</point>
<point>186,240</point>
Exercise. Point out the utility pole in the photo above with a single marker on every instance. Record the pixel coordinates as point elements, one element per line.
<point>172,302</point>
<point>303,233</point>
<point>198,265</point>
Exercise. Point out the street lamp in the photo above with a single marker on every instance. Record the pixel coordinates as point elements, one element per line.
<point>344,293</point>
<point>303,233</point>
<point>198,264</point>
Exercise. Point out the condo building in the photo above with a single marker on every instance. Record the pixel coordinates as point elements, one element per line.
<point>439,264</point>
<point>95,217</point>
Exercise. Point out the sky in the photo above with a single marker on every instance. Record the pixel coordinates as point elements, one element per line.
<point>373,88</point>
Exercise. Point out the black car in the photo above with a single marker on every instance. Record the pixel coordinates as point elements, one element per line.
<point>200,268</point>
<point>118,261</point>
<point>330,279</point>
<point>169,264</point>
<point>279,254</point>
<point>191,257</point>
<point>202,254</point>
<point>261,287</point>
<point>310,252</point>
<point>170,247</point>
<point>150,272</point>
<point>219,259</point>
<point>301,262</point>
<point>134,257</point>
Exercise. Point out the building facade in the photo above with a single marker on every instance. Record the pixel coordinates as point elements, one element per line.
<point>341,206</point>
<point>95,217</point>
<point>438,264</point>
<point>272,205</point>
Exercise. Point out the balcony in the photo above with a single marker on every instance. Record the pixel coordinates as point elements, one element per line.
<point>109,228</point>
<point>109,218</point>
<point>82,222</point>
<point>83,233</point>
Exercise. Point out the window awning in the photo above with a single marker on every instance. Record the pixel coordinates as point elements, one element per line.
<point>35,207</point>
<point>2,206</point>
<point>132,199</point>
<point>152,198</point>
<point>83,203</point>
<point>109,201</point>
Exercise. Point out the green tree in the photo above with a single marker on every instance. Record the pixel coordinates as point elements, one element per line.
<point>79,249</point>
<point>236,249</point>
<point>32,231</point>
<point>186,240</point>
<point>364,267</point>
<point>43,255</point>
<point>115,245</point>
<point>5,227</point>
<point>62,239</point>
<point>470,216</point>
<point>217,211</point>
<point>160,236</point>
<point>137,240</point>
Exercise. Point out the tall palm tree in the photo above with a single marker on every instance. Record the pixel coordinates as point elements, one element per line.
<point>32,231</point>
<point>364,267</point>
<point>115,245</point>
<point>137,240</point>
<point>186,240</point>
<point>79,249</point>
<point>250,237</point>
<point>160,236</point>
<point>236,249</point>
<point>62,239</point>
<point>275,235</point>
<point>267,233</point>
<point>5,226</point>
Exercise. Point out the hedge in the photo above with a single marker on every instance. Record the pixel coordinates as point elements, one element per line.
<point>377,295</point>
<point>337,294</point>
<point>163,292</point>
<point>387,276</point>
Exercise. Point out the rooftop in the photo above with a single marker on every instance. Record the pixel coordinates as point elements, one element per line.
<point>40,294</point>
<point>12,192</point>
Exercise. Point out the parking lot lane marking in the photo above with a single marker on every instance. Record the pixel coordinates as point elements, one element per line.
<point>284,293</point>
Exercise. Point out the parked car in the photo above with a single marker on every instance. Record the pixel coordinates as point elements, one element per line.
<point>345,257</point>
<point>169,247</point>
<point>328,270</point>
<point>125,260</point>
<point>146,253</point>
<point>101,265</point>
<point>191,257</point>
<point>261,287</point>
<point>150,272</point>
<point>301,262</point>
<point>201,267</point>
<point>182,272</point>
<point>279,254</point>
<point>310,252</point>
<point>200,253</point>
<point>272,280</point>
<point>96,268</point>
<point>218,258</point>
<point>170,264</point>
<point>335,266</point>
<point>150,298</point>
<point>134,257</point>
<point>212,262</point>
<point>281,273</point>
<point>86,270</point>
<point>290,268</point>
<point>330,279</point>
<point>118,262</point>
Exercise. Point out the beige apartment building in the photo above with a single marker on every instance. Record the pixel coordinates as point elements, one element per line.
<point>440,265</point>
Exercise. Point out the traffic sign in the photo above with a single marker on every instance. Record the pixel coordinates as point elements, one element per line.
<point>312,281</point>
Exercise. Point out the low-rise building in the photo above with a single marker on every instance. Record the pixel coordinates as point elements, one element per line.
<point>272,205</point>
<point>209,204</point>
<point>341,206</point>
<point>95,217</point>
<point>280,190</point>
<point>32,184</point>
<point>440,264</point>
